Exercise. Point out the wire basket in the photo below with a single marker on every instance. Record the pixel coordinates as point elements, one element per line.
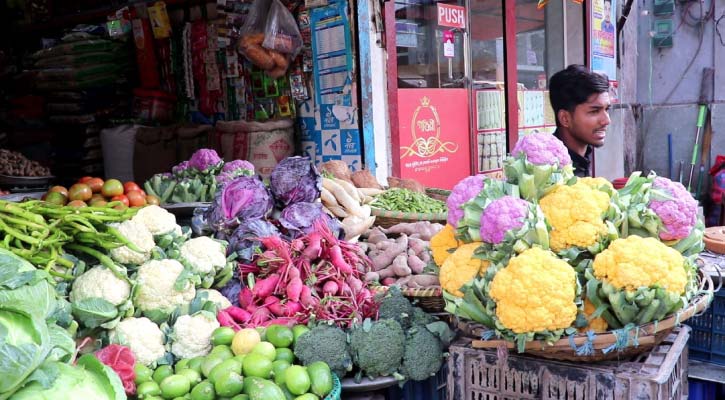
<point>606,345</point>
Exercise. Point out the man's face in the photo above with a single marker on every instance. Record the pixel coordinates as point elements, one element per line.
<point>588,123</point>
<point>607,11</point>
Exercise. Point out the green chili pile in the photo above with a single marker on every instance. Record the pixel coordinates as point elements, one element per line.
<point>404,200</point>
<point>41,232</point>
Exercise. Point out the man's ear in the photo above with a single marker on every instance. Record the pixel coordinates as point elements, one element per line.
<point>564,118</point>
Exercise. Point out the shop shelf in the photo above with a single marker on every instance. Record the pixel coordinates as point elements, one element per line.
<point>707,341</point>
<point>660,374</point>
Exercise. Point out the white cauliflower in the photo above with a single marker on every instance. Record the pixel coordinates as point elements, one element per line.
<point>204,254</point>
<point>217,298</point>
<point>156,292</point>
<point>142,336</point>
<point>139,235</point>
<point>157,220</point>
<point>192,335</point>
<point>100,282</point>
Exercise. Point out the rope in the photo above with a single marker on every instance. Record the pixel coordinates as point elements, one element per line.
<point>587,348</point>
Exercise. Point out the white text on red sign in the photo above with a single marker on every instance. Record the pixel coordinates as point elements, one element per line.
<point>452,16</point>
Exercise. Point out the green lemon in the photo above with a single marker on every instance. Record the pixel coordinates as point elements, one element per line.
<point>193,376</point>
<point>182,364</point>
<point>162,372</point>
<point>278,368</point>
<point>221,369</point>
<point>285,354</point>
<point>257,365</point>
<point>265,349</point>
<point>280,336</point>
<point>320,377</point>
<point>175,386</point>
<point>195,363</point>
<point>222,335</point>
<point>143,373</point>
<point>222,351</point>
<point>229,384</point>
<point>203,391</point>
<point>297,380</point>
<point>299,330</point>
<point>148,388</point>
<point>209,363</point>
<point>307,396</point>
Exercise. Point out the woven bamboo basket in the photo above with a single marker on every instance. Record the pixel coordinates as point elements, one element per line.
<point>386,219</point>
<point>429,299</point>
<point>715,239</point>
<point>438,194</point>
<point>639,340</point>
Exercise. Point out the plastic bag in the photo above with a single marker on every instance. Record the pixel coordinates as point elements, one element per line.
<point>281,32</point>
<point>252,35</point>
<point>256,18</point>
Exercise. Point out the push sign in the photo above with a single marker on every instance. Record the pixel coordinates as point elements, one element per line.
<point>451,16</point>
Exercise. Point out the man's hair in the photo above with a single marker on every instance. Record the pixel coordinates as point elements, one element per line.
<point>608,1</point>
<point>572,86</point>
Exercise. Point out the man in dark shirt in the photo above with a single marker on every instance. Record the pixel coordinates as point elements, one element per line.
<point>580,99</point>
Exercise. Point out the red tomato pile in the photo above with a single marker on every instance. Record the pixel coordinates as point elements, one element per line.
<point>95,192</point>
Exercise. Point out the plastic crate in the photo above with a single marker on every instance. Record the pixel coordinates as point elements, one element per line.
<point>660,374</point>
<point>702,390</point>
<point>707,341</point>
<point>433,388</point>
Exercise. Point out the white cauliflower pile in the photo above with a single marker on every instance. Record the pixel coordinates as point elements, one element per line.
<point>138,234</point>
<point>217,298</point>
<point>143,337</point>
<point>100,282</point>
<point>157,220</point>
<point>192,335</point>
<point>156,292</point>
<point>204,255</point>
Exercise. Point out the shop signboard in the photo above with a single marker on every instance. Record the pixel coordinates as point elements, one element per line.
<point>434,136</point>
<point>451,16</point>
<point>604,43</point>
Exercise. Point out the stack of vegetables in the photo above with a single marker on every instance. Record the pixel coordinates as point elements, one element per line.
<point>197,179</point>
<point>545,254</point>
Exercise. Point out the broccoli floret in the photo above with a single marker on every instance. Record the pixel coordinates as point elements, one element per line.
<point>325,343</point>
<point>421,317</point>
<point>423,356</point>
<point>395,306</point>
<point>377,347</point>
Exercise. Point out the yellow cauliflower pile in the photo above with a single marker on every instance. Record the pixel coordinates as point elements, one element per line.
<point>460,268</point>
<point>637,262</point>
<point>597,324</point>
<point>442,242</point>
<point>575,215</point>
<point>535,292</point>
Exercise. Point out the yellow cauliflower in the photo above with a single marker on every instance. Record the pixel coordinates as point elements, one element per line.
<point>637,262</point>
<point>597,324</point>
<point>535,292</point>
<point>442,242</point>
<point>575,215</point>
<point>595,183</point>
<point>460,268</point>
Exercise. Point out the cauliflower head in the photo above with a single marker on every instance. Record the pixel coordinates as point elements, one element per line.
<point>542,149</point>
<point>157,220</point>
<point>504,214</point>
<point>137,233</point>
<point>142,336</point>
<point>460,268</point>
<point>462,192</point>
<point>637,262</point>
<point>597,324</point>
<point>442,243</point>
<point>575,215</point>
<point>217,298</point>
<point>192,335</point>
<point>203,254</point>
<point>156,292</point>
<point>535,292</point>
<point>100,282</point>
<point>678,214</point>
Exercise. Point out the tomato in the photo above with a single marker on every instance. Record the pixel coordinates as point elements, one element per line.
<point>59,189</point>
<point>112,187</point>
<point>80,191</point>
<point>77,204</point>
<point>120,207</point>
<point>129,186</point>
<point>136,199</point>
<point>151,199</point>
<point>85,179</point>
<point>95,183</point>
<point>56,198</point>
<point>122,198</point>
<point>97,202</point>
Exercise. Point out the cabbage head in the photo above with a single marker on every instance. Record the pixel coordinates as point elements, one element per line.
<point>294,180</point>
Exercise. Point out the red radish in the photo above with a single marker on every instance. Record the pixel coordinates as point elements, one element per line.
<point>330,288</point>
<point>277,309</point>
<point>297,244</point>
<point>291,308</point>
<point>314,245</point>
<point>355,283</point>
<point>306,297</point>
<point>238,314</point>
<point>265,287</point>
<point>336,258</point>
<point>246,297</point>
<point>226,320</point>
<point>294,288</point>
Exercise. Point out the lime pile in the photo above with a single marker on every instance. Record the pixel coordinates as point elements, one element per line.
<point>250,364</point>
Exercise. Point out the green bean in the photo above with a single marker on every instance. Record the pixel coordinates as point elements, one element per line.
<point>104,259</point>
<point>23,222</point>
<point>20,212</point>
<point>18,235</point>
<point>80,220</point>
<point>115,233</point>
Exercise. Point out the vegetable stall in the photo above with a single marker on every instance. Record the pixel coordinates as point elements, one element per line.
<point>313,282</point>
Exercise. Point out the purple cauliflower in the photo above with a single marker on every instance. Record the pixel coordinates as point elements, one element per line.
<point>180,168</point>
<point>502,215</point>
<point>204,159</point>
<point>678,215</point>
<point>236,165</point>
<point>542,149</point>
<point>464,191</point>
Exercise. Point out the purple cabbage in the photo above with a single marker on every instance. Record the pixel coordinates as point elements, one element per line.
<point>294,180</point>
<point>502,215</point>
<point>242,199</point>
<point>204,159</point>
<point>299,218</point>
<point>679,215</point>
<point>542,149</point>
<point>245,239</point>
<point>464,191</point>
